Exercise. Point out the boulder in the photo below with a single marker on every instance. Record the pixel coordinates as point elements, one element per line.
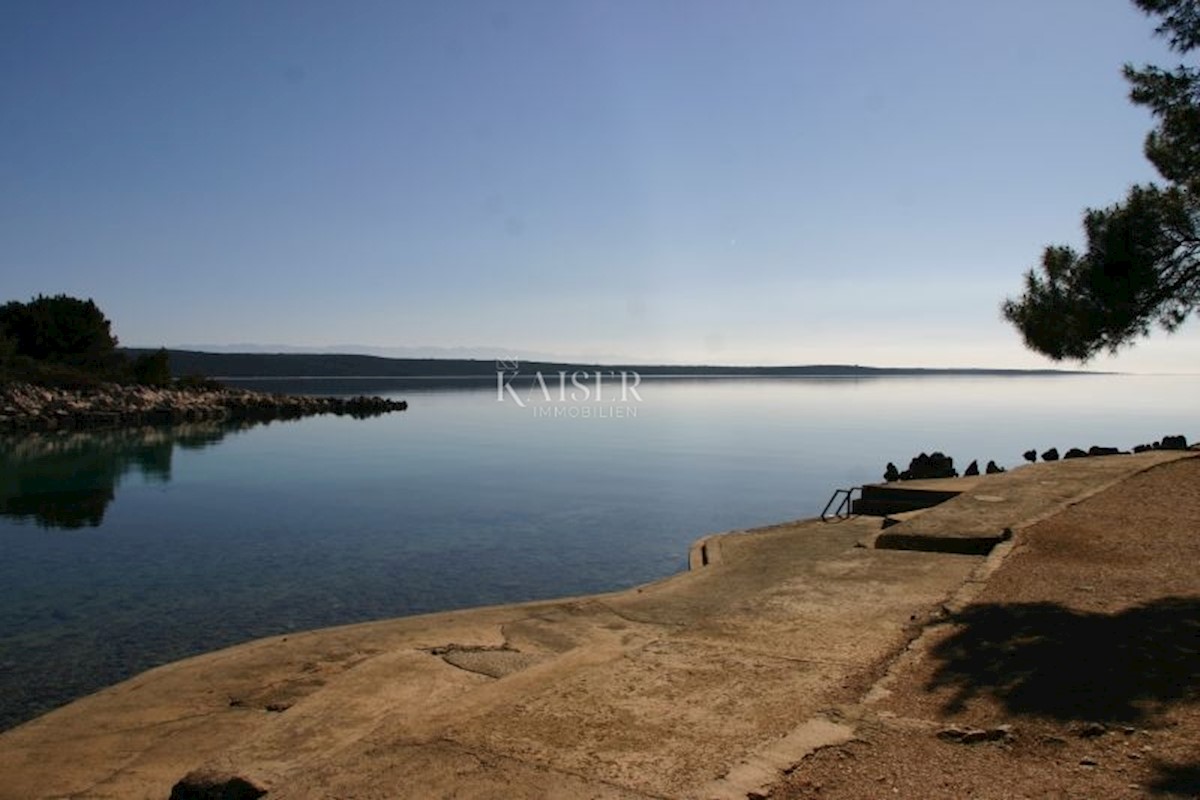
<point>1097,450</point>
<point>1050,455</point>
<point>891,473</point>
<point>993,469</point>
<point>204,784</point>
<point>1174,443</point>
<point>935,465</point>
<point>972,469</point>
<point>27,407</point>
<point>1030,455</point>
<point>1075,452</point>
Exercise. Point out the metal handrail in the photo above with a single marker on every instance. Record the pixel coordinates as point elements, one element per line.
<point>845,508</point>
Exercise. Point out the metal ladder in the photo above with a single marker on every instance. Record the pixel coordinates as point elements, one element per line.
<point>844,508</point>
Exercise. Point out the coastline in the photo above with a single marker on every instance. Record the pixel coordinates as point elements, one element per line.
<point>707,683</point>
<point>28,408</point>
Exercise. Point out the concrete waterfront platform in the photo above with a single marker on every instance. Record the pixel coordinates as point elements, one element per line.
<point>889,499</point>
<point>987,507</point>
<point>706,684</point>
<point>1072,672</point>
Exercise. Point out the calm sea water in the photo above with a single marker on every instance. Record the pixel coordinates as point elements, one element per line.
<point>123,550</point>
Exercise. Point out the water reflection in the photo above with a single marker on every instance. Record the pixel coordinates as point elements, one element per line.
<point>67,479</point>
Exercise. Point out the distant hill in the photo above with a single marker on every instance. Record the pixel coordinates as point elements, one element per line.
<point>334,365</point>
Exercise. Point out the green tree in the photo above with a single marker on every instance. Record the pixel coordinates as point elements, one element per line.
<point>1142,262</point>
<point>59,329</point>
<point>153,369</point>
<point>8,348</point>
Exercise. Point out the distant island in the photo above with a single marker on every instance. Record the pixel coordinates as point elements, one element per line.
<point>332,365</point>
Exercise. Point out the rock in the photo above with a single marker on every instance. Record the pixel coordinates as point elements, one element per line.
<point>1174,443</point>
<point>1089,730</point>
<point>27,407</point>
<point>953,733</point>
<point>208,785</point>
<point>1050,455</point>
<point>936,465</point>
<point>993,469</point>
<point>1075,452</point>
<point>1097,450</point>
<point>891,473</point>
<point>1142,448</point>
<point>1030,455</point>
<point>1088,761</point>
<point>972,468</point>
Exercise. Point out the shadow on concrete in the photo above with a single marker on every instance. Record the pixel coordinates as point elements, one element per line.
<point>1177,779</point>
<point>1042,659</point>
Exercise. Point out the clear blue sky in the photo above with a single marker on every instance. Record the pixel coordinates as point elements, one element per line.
<point>688,181</point>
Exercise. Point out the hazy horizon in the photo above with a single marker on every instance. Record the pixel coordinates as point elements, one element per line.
<point>484,353</point>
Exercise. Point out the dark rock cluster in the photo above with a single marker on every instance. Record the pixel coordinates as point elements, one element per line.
<point>1166,443</point>
<point>25,407</point>
<point>938,465</point>
<point>934,465</point>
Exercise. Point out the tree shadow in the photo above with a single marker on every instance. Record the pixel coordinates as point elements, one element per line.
<point>1045,660</point>
<point>1177,779</point>
<point>68,479</point>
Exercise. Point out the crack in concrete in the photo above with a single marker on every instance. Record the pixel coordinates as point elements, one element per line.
<point>636,621</point>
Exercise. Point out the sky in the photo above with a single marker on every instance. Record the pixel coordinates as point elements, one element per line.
<point>648,181</point>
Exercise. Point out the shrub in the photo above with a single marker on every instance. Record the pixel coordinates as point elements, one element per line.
<point>152,369</point>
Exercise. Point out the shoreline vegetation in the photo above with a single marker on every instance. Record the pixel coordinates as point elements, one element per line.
<point>61,369</point>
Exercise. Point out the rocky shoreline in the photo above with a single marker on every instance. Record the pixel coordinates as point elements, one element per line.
<point>939,465</point>
<point>26,407</point>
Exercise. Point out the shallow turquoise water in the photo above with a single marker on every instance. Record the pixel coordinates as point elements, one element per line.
<point>120,551</point>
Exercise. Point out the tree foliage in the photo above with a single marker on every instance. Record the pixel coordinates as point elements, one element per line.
<point>60,329</point>
<point>1142,262</point>
<point>153,369</point>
